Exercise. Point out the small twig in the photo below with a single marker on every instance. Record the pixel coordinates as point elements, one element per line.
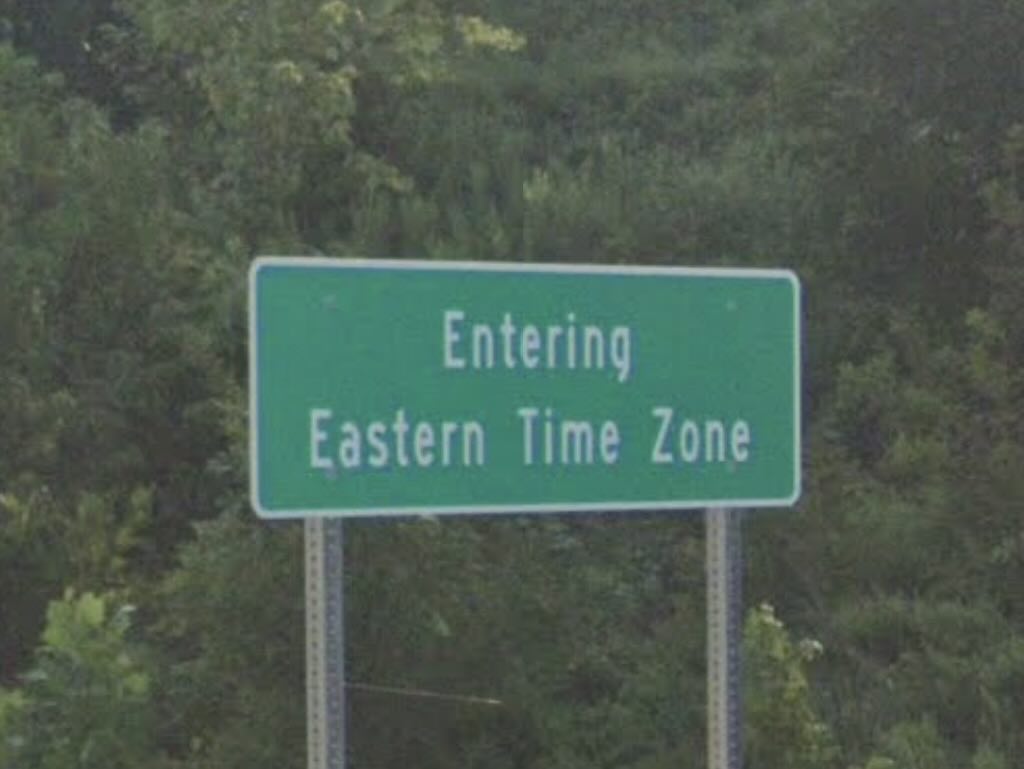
<point>422,693</point>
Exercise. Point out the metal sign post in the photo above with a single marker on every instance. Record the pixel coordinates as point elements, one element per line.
<point>325,644</point>
<point>428,388</point>
<point>724,620</point>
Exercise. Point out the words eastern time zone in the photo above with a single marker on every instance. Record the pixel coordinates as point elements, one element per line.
<point>542,436</point>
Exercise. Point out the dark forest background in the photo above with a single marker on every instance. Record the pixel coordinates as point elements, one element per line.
<point>150,148</point>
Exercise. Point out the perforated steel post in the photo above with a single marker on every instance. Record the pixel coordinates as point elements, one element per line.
<point>724,621</point>
<point>325,643</point>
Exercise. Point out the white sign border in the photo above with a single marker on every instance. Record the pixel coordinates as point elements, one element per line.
<point>343,263</point>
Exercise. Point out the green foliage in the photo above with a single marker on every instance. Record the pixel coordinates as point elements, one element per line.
<point>149,148</point>
<point>913,744</point>
<point>87,701</point>
<point>783,729</point>
<point>575,645</point>
<point>231,626</point>
<point>273,98</point>
<point>987,758</point>
<point>64,36</point>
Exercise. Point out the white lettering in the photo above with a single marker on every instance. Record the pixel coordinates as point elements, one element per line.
<point>570,341</point>
<point>566,441</point>
<point>507,332</point>
<point>424,444</point>
<point>577,443</point>
<point>378,448</point>
<point>448,430</point>
<point>698,440</point>
<point>609,443</point>
<point>593,347</point>
<point>658,454</point>
<point>529,346</point>
<point>620,351</point>
<point>317,437</point>
<point>401,430</point>
<point>689,441</point>
<point>567,346</point>
<point>472,443</point>
<point>739,441</point>
<point>553,333</point>
<point>350,447</point>
<point>528,415</point>
<point>399,443</point>
<point>483,346</point>
<point>452,318</point>
<point>549,438</point>
<point>714,441</point>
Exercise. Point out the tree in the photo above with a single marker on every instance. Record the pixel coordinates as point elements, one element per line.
<point>87,700</point>
<point>782,728</point>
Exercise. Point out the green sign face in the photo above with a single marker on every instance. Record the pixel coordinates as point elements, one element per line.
<point>449,387</point>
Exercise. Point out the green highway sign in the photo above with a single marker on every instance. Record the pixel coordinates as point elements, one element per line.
<point>412,387</point>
